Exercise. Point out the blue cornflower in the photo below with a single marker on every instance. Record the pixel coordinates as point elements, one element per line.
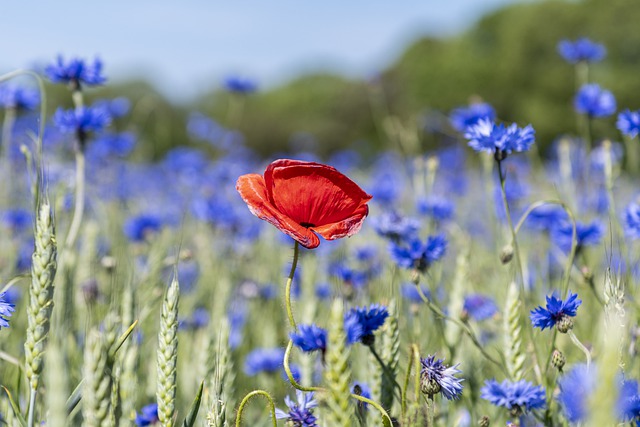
<point>546,217</point>
<point>81,121</point>
<point>6,310</point>
<point>148,415</point>
<point>310,338</point>
<point>586,234</point>
<point>410,292</point>
<point>138,228</point>
<point>300,413</point>
<point>436,207</point>
<point>628,405</point>
<point>116,107</point>
<point>18,97</point>
<point>629,123</point>
<point>436,377</point>
<point>419,255</point>
<point>199,319</point>
<point>238,84</point>
<point>576,387</point>
<point>111,145</point>
<point>632,220</point>
<point>557,312</point>
<point>353,329</point>
<point>263,360</point>
<point>517,396</point>
<point>463,117</point>
<point>16,220</point>
<point>582,49</point>
<point>479,307</point>
<point>348,275</point>
<point>370,319</point>
<point>361,389</point>
<point>75,72</point>
<point>594,101</point>
<point>488,136</point>
<point>395,227</point>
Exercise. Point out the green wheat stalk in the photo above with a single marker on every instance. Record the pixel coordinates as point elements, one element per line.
<point>56,382</point>
<point>513,334</point>
<point>337,371</point>
<point>98,382</point>
<point>390,355</point>
<point>167,356</point>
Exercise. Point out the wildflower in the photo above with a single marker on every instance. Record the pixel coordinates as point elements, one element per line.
<point>463,117</point>
<point>580,50</point>
<point>361,389</point>
<point>557,313</point>
<point>81,121</point>
<point>243,85</point>
<point>6,310</point>
<point>518,397</point>
<point>310,338</point>
<point>632,220</point>
<point>18,98</point>
<point>395,227</point>
<point>75,72</point>
<point>300,413</point>
<point>140,227</point>
<point>479,307</point>
<point>438,208</point>
<point>629,123</point>
<point>436,377</point>
<point>263,360</point>
<point>594,101</point>
<point>576,387</point>
<point>116,107</point>
<point>148,415</point>
<point>199,319</point>
<point>488,136</point>
<point>586,234</point>
<point>16,220</point>
<point>304,198</point>
<point>111,145</point>
<point>369,319</point>
<point>419,255</point>
<point>546,217</point>
<point>628,405</point>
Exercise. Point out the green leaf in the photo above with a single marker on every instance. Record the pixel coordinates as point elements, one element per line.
<point>15,408</point>
<point>190,420</point>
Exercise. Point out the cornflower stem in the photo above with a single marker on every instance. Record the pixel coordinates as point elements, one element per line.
<point>581,346</point>
<point>384,367</point>
<point>32,407</point>
<point>271,405</point>
<point>287,290</point>
<point>414,359</point>
<point>464,326</point>
<point>431,411</point>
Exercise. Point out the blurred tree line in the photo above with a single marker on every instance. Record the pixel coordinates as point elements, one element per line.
<point>508,59</point>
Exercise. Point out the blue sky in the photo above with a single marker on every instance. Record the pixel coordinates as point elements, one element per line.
<point>186,47</point>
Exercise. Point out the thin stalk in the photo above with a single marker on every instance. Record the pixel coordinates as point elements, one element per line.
<point>403,399</point>
<point>271,405</point>
<point>7,128</point>
<point>79,206</point>
<point>431,411</point>
<point>384,367</point>
<point>581,346</point>
<point>32,407</point>
<point>287,370</point>
<point>287,290</point>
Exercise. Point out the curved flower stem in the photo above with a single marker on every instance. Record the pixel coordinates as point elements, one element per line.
<point>581,346</point>
<point>414,359</point>
<point>272,406</point>
<point>79,206</point>
<point>287,290</point>
<point>287,370</point>
<point>386,419</point>
<point>465,327</point>
<point>505,203</point>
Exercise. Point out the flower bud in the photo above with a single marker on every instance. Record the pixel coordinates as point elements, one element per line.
<point>565,324</point>
<point>484,421</point>
<point>506,254</point>
<point>558,360</point>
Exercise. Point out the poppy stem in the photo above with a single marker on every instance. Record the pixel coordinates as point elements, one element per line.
<point>287,290</point>
<point>272,406</point>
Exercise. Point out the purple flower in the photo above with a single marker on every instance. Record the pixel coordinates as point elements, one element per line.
<point>582,49</point>
<point>300,413</point>
<point>436,207</point>
<point>310,338</point>
<point>518,396</point>
<point>479,307</point>
<point>138,228</point>
<point>6,310</point>
<point>81,121</point>
<point>395,227</point>
<point>148,415</point>
<point>18,98</point>
<point>419,255</point>
<point>576,387</point>
<point>594,101</point>
<point>629,123</point>
<point>436,377</point>
<point>628,405</point>
<point>238,84</point>
<point>556,311</point>
<point>75,72</point>
<point>264,360</point>
<point>463,117</point>
<point>488,136</point>
<point>370,318</point>
<point>586,234</point>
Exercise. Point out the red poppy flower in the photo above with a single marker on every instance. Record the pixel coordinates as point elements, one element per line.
<point>304,198</point>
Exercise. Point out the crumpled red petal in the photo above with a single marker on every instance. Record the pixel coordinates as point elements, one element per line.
<point>253,191</point>
<point>345,228</point>
<point>313,194</point>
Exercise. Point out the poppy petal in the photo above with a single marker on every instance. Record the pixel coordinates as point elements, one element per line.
<point>313,194</point>
<point>345,228</point>
<point>253,191</point>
